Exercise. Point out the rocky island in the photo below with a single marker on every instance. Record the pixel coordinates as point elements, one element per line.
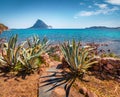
<point>39,24</point>
<point>3,28</point>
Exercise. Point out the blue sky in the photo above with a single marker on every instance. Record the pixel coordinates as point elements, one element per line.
<point>60,13</point>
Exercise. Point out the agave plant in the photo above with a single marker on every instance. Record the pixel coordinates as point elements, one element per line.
<point>30,58</point>
<point>77,58</point>
<point>10,53</point>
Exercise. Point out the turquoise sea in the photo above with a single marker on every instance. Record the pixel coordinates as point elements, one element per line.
<point>107,36</point>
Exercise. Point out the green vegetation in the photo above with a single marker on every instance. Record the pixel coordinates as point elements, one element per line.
<point>21,58</point>
<point>10,54</point>
<point>30,57</point>
<point>78,59</point>
<point>113,55</point>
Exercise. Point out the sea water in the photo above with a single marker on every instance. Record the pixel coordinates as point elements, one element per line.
<point>107,36</point>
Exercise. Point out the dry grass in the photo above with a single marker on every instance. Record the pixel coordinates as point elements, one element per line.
<point>103,88</point>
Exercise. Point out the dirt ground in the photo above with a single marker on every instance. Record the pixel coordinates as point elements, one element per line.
<point>28,87</point>
<point>102,88</point>
<point>18,87</point>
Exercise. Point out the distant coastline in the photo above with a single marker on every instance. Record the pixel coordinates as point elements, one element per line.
<point>93,27</point>
<point>39,24</point>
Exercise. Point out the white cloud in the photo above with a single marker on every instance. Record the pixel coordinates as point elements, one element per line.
<point>103,10</point>
<point>114,2</point>
<point>85,13</point>
<point>102,6</point>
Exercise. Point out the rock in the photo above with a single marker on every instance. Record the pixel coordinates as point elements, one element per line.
<point>91,94</point>
<point>103,61</point>
<point>103,75</point>
<point>111,72</point>
<point>118,72</point>
<point>58,92</point>
<point>64,63</point>
<point>96,68</point>
<point>83,90</point>
<point>87,93</point>
<point>111,77</point>
<point>118,80</point>
<point>106,68</point>
<point>109,66</point>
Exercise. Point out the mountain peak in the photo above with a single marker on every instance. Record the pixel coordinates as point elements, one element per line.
<point>39,24</point>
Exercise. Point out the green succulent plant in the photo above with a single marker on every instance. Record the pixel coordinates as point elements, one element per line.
<point>77,58</point>
<point>10,53</point>
<point>30,58</point>
<point>23,57</point>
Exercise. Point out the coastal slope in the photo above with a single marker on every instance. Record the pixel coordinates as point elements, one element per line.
<point>3,28</point>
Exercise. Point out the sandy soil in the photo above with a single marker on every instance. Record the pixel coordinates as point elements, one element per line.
<point>18,87</point>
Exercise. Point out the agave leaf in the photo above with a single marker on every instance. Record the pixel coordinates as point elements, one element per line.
<point>29,43</point>
<point>85,67</point>
<point>89,60</point>
<point>17,54</point>
<point>6,59</point>
<point>2,60</point>
<point>19,59</point>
